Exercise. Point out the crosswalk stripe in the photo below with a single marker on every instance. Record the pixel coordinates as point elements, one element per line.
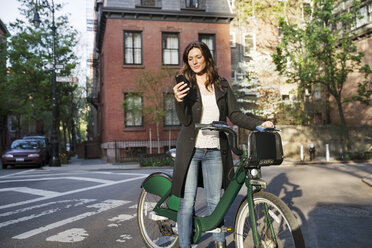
<point>104,206</point>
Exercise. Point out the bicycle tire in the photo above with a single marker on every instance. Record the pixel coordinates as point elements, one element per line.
<point>155,233</point>
<point>286,228</point>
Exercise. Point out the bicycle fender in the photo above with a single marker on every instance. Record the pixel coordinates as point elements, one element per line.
<point>157,183</point>
<point>160,183</point>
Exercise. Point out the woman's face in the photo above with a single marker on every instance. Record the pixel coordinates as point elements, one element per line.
<point>196,61</point>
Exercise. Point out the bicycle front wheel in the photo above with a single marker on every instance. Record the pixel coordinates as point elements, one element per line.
<point>156,231</point>
<point>276,224</point>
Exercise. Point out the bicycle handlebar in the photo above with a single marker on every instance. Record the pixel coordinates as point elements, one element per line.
<point>267,129</point>
<point>223,127</point>
<point>232,137</point>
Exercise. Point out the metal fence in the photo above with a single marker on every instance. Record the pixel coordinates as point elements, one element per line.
<point>126,151</point>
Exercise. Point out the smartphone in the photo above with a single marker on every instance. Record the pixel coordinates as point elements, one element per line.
<point>181,78</point>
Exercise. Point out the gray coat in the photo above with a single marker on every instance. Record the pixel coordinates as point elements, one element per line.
<point>189,112</point>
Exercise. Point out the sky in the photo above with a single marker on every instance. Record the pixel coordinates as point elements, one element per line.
<point>77,9</point>
<point>77,13</point>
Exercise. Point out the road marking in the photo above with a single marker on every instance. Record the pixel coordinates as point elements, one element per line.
<point>70,236</point>
<point>79,202</point>
<point>59,178</point>
<point>120,218</point>
<point>18,173</point>
<point>103,206</point>
<point>124,238</point>
<point>30,217</point>
<point>72,192</point>
<point>32,191</point>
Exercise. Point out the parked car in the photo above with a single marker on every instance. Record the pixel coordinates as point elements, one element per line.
<point>46,145</point>
<point>24,152</point>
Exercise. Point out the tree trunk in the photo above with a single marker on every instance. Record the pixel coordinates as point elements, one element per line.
<point>64,137</point>
<point>73,136</point>
<point>3,132</point>
<point>344,128</point>
<point>157,136</point>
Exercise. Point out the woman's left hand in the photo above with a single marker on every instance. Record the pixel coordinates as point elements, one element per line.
<point>267,124</point>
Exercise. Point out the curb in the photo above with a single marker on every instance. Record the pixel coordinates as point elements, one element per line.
<point>367,180</point>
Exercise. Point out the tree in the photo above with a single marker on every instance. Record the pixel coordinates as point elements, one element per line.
<point>258,99</point>
<point>323,53</point>
<point>28,85</point>
<point>152,85</point>
<point>258,85</point>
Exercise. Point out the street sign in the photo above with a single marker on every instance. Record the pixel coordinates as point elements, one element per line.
<point>49,66</point>
<point>67,79</point>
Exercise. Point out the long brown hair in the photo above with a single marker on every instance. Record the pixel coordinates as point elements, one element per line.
<point>210,67</point>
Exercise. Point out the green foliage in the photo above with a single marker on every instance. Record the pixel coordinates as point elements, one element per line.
<point>323,53</point>
<point>359,156</point>
<point>27,89</point>
<point>262,9</point>
<point>156,160</point>
<point>152,85</point>
<point>293,114</point>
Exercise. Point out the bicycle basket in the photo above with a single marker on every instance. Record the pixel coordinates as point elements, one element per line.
<point>265,148</point>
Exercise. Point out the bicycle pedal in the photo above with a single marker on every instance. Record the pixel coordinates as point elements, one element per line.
<point>220,229</point>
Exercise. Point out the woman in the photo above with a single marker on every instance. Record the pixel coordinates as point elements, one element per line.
<point>208,98</point>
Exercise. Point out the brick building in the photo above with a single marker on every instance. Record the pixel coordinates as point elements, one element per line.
<point>4,140</point>
<point>137,36</point>
<point>358,114</point>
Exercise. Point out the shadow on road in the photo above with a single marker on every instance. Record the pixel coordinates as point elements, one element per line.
<point>287,191</point>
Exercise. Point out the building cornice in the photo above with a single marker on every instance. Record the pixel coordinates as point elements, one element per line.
<point>157,14</point>
<point>3,27</point>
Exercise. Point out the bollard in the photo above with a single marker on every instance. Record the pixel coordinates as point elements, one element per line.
<point>302,153</point>
<point>327,152</point>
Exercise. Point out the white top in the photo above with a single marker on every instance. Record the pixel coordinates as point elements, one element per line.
<point>210,113</point>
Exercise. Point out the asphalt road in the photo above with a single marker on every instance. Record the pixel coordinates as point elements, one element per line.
<point>95,206</point>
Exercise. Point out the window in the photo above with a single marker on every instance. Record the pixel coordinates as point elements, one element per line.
<point>132,48</point>
<point>210,40</point>
<point>249,44</point>
<point>170,49</point>
<point>133,110</point>
<point>171,118</point>
<point>232,39</point>
<point>363,13</point>
<point>150,3</point>
<point>192,3</point>
<point>233,75</point>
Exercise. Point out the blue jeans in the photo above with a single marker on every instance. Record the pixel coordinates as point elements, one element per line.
<point>212,171</point>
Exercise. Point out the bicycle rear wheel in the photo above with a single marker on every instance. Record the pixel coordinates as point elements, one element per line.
<point>287,232</point>
<point>156,231</point>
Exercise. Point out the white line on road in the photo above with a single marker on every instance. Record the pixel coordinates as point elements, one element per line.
<point>30,217</point>
<point>59,178</point>
<point>79,202</point>
<point>32,191</point>
<point>69,236</point>
<point>18,173</point>
<point>104,206</point>
<point>72,192</point>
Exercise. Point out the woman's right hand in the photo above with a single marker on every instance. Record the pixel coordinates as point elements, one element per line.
<point>180,90</point>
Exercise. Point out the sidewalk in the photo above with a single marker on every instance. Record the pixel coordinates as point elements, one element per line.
<point>99,164</point>
<point>93,164</point>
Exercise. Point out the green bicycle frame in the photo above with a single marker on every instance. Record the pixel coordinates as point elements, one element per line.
<point>160,184</point>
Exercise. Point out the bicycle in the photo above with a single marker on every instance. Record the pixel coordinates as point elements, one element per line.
<point>262,219</point>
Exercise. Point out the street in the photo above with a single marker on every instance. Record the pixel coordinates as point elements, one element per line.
<point>96,206</point>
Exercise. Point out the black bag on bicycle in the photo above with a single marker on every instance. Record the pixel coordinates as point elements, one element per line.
<point>265,148</point>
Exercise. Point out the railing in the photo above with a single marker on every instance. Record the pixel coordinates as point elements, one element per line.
<point>131,150</point>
